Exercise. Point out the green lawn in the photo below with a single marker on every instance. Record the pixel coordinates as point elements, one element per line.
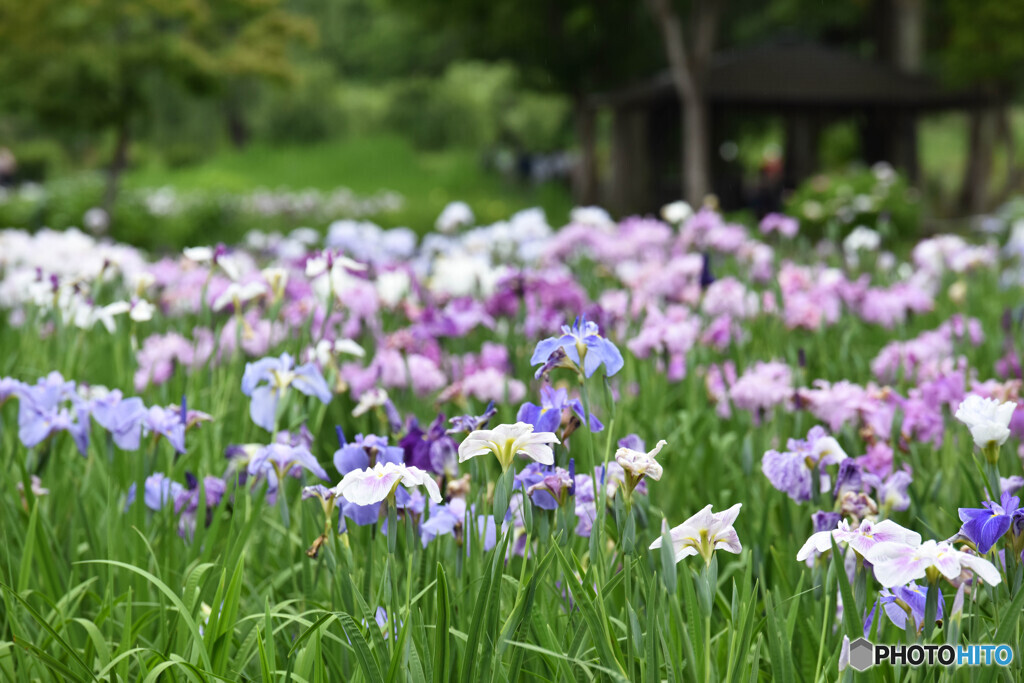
<point>427,180</point>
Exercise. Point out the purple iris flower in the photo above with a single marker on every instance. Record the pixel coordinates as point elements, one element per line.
<point>893,490</point>
<point>547,417</point>
<point>166,422</point>
<point>471,423</point>
<point>279,460</point>
<point>896,601</point>
<point>707,278</point>
<point>432,450</point>
<point>448,519</point>
<point>548,487</point>
<point>793,471</point>
<point>50,406</point>
<point>158,491</point>
<point>986,525</point>
<point>10,387</point>
<point>186,502</point>
<point>121,417</point>
<point>583,338</point>
<point>364,452</point>
<point>633,442</point>
<point>267,380</point>
<point>530,476</point>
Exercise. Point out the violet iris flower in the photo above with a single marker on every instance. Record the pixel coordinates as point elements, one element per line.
<point>158,491</point>
<point>267,380</point>
<point>897,601</point>
<point>448,519</point>
<point>49,406</point>
<point>584,346</point>
<point>471,423</point>
<point>547,417</point>
<point>794,470</point>
<point>278,460</point>
<point>547,486</point>
<point>166,422</point>
<point>987,524</point>
<point>432,449</point>
<point>121,417</point>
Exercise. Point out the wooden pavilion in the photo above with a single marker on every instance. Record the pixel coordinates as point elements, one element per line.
<point>808,86</point>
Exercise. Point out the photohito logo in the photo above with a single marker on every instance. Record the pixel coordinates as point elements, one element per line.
<point>864,654</point>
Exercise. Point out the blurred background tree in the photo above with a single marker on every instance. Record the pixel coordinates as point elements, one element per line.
<point>93,66</point>
<point>463,99</point>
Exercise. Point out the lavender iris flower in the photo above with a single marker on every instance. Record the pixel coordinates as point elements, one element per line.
<point>50,406</point>
<point>278,460</point>
<point>471,423</point>
<point>897,601</point>
<point>986,525</point>
<point>121,417</point>
<point>448,519</point>
<point>632,442</point>
<point>532,476</point>
<point>267,380</point>
<point>166,422</point>
<point>794,470</point>
<point>584,346</point>
<point>547,417</point>
<point>9,388</point>
<point>158,491</point>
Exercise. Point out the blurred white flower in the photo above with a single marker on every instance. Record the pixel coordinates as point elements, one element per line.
<point>677,212</point>
<point>96,220</point>
<point>141,310</point>
<point>371,398</point>
<point>591,215</point>
<point>987,418</point>
<point>453,217</point>
<point>237,294</point>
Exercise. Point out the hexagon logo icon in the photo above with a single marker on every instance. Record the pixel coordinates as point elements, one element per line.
<point>862,654</point>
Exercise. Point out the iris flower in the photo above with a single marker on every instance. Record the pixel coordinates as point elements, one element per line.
<point>861,538</point>
<point>279,459</point>
<point>49,406</point>
<point>897,564</point>
<point>901,602</point>
<point>375,484</point>
<point>986,525</point>
<point>637,464</point>
<point>987,418</point>
<point>547,417</point>
<point>268,379</point>
<point>704,533</point>
<point>506,441</point>
<point>584,346</point>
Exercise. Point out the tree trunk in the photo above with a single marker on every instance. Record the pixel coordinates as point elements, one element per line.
<point>238,129</point>
<point>687,75</point>
<point>117,166</point>
<point>696,152</point>
<point>981,141</point>
<point>585,177</point>
<point>908,51</point>
<point>1014,173</point>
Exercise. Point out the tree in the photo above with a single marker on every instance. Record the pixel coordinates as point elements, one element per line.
<point>688,57</point>
<point>84,66</point>
<point>983,50</point>
<point>573,47</point>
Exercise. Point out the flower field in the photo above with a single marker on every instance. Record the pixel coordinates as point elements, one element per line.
<point>673,448</point>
